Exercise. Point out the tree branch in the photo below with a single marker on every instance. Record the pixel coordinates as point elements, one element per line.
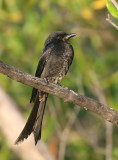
<point>115,3</point>
<point>110,21</point>
<point>68,95</point>
<point>108,16</point>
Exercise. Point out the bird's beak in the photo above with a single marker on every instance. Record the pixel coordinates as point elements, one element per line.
<point>70,35</point>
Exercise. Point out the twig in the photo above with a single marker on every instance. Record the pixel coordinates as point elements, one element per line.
<point>110,21</point>
<point>115,3</point>
<point>68,95</point>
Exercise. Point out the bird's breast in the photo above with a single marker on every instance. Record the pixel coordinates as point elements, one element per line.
<point>58,63</point>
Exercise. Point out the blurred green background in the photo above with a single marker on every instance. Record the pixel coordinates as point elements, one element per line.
<point>24,26</point>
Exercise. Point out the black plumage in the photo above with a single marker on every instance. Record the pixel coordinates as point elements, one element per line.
<point>53,65</point>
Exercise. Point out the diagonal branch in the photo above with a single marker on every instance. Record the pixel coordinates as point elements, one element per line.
<point>110,21</point>
<point>115,3</point>
<point>68,95</point>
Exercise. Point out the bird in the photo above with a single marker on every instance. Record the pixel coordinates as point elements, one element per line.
<point>53,65</point>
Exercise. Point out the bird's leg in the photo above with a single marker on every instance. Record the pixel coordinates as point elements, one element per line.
<point>40,92</point>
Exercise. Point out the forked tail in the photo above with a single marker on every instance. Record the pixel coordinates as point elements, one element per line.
<point>34,122</point>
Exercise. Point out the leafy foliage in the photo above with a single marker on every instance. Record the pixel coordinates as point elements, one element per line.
<point>112,9</point>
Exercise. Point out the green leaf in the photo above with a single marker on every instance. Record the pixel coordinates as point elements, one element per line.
<point>112,9</point>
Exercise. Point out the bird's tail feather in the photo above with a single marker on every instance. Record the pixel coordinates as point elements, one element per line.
<point>34,121</point>
<point>39,118</point>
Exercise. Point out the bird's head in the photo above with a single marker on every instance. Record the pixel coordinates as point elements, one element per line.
<point>58,36</point>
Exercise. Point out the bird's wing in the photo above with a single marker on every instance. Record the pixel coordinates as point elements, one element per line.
<point>71,58</point>
<point>42,61</point>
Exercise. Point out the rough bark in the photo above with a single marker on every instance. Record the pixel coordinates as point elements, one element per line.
<point>68,95</point>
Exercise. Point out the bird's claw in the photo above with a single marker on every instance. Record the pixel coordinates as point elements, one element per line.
<point>46,80</point>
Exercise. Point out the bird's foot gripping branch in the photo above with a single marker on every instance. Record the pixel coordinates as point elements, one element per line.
<point>102,110</point>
